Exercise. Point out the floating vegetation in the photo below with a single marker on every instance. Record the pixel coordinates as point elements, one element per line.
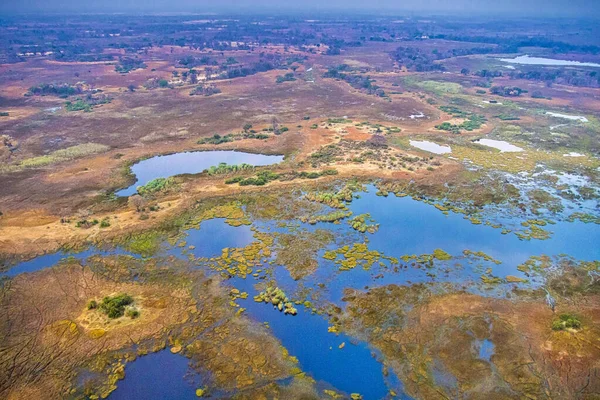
<point>241,261</point>
<point>482,255</point>
<point>338,199</point>
<point>584,217</point>
<point>361,223</point>
<point>298,251</point>
<point>357,255</point>
<point>490,279</point>
<point>232,212</point>
<point>535,263</point>
<point>279,300</point>
<point>334,216</point>
<point>534,231</point>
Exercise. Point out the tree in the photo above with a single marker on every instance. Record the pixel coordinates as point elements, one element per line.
<point>136,201</point>
<point>465,71</point>
<point>247,127</point>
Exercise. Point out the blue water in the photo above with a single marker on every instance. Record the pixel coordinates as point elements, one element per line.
<point>212,236</point>
<point>161,375</point>
<point>190,163</point>
<point>407,226</point>
<point>49,260</point>
<point>352,369</point>
<point>486,349</point>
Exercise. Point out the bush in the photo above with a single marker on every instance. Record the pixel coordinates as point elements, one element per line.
<point>92,305</point>
<point>132,313</point>
<point>114,307</point>
<point>105,223</point>
<point>566,321</point>
<point>156,185</point>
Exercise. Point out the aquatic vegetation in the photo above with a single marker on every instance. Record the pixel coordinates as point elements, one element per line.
<point>515,162</point>
<point>361,223</point>
<point>584,217</point>
<point>441,255</point>
<point>241,261</point>
<point>231,211</point>
<point>566,322</point>
<point>534,231</point>
<point>143,243</point>
<point>482,255</point>
<point>279,300</point>
<point>357,255</point>
<point>339,199</point>
<point>535,263</point>
<point>298,251</point>
<point>333,216</point>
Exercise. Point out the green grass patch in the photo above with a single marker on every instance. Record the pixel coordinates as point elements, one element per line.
<point>70,153</point>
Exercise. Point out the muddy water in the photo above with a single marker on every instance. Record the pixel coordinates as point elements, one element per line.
<point>190,163</point>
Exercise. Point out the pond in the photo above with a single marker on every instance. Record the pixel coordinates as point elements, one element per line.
<point>566,116</point>
<point>501,145</point>
<point>527,60</point>
<point>190,163</point>
<point>430,147</point>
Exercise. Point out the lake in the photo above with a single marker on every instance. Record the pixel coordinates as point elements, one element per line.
<point>527,60</point>
<point>190,163</point>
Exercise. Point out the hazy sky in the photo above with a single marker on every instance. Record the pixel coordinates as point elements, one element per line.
<point>519,7</point>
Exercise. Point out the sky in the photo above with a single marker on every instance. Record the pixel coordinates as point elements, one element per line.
<point>556,8</point>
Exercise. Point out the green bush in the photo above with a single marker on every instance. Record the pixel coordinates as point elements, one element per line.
<point>156,185</point>
<point>566,321</point>
<point>114,307</point>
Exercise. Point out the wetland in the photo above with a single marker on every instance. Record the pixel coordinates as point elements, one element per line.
<point>256,207</point>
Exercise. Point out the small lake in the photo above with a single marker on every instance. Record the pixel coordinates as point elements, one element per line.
<point>501,145</point>
<point>190,163</point>
<point>566,116</point>
<point>430,146</point>
<point>527,60</point>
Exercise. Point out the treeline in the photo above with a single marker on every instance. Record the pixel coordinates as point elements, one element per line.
<point>357,81</point>
<point>127,64</point>
<point>512,44</point>
<point>562,76</point>
<point>49,89</point>
<point>419,60</point>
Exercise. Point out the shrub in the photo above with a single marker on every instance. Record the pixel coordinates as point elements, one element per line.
<point>566,321</point>
<point>92,305</point>
<point>156,185</point>
<point>132,313</point>
<point>114,307</point>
